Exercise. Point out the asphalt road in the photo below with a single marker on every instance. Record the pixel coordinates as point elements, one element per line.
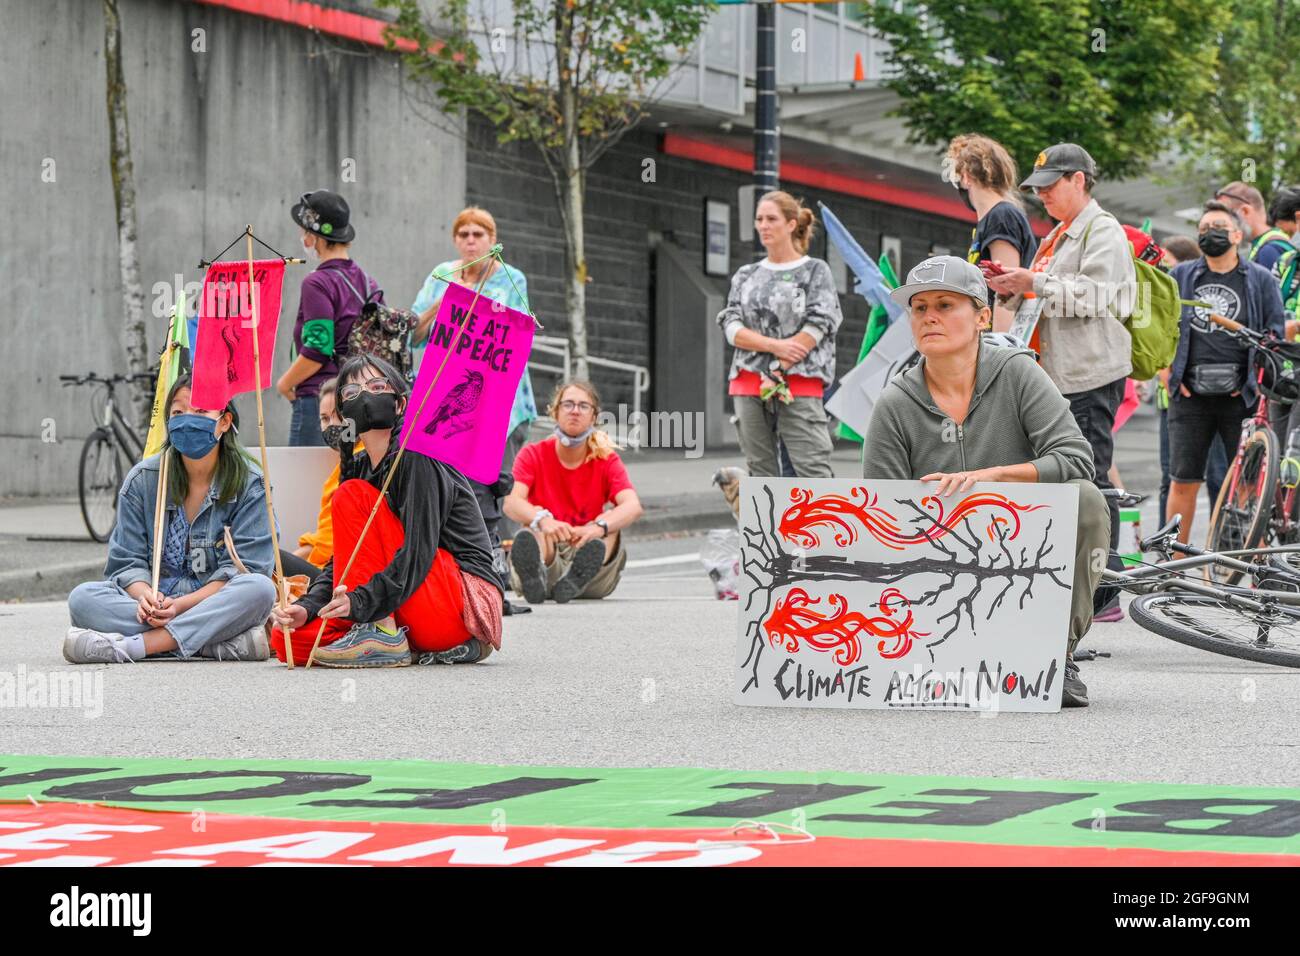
<point>644,679</point>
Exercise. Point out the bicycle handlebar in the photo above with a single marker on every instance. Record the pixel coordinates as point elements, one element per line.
<point>93,378</point>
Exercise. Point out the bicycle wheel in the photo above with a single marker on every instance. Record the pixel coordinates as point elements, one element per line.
<point>1240,518</point>
<point>98,480</point>
<point>1211,624</point>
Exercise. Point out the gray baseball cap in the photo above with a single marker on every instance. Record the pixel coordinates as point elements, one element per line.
<point>942,272</point>
<point>1057,161</point>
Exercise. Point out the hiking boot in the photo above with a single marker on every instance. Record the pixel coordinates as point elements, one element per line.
<point>468,653</point>
<point>586,565</point>
<point>84,646</point>
<point>526,559</point>
<point>365,645</point>
<point>1110,613</point>
<point>1074,692</point>
<point>250,645</point>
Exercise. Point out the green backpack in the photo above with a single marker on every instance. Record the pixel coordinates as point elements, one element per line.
<point>1153,326</point>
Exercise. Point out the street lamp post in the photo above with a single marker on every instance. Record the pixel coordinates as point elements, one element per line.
<point>767,145</point>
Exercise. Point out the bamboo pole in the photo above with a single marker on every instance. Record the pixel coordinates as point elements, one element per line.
<point>283,596</point>
<point>159,510</point>
<point>401,448</point>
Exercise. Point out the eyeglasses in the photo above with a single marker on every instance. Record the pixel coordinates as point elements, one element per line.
<point>1207,226</point>
<point>467,234</point>
<point>376,386</point>
<point>569,405</point>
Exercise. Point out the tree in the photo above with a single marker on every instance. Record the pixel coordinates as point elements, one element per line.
<point>134,333</point>
<point>1115,77</point>
<point>1246,128</point>
<point>570,77</point>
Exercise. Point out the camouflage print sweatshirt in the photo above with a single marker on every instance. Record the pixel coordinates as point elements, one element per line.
<point>779,301</point>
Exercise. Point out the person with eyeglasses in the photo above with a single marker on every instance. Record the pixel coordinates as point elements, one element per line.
<point>329,305</point>
<point>1083,273</point>
<point>422,586</point>
<point>570,546</point>
<point>1212,381</point>
<point>1267,242</point>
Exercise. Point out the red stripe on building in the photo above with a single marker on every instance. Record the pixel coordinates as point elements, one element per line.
<point>313,16</point>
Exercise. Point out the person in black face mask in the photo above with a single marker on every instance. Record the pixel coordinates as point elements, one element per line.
<point>315,548</point>
<point>422,587</point>
<point>1212,382</point>
<point>985,176</point>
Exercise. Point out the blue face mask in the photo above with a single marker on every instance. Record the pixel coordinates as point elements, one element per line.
<point>192,435</point>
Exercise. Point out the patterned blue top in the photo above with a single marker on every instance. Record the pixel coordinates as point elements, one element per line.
<point>176,552</point>
<point>501,285</point>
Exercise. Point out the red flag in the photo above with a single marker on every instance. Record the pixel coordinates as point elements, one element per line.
<point>223,355</point>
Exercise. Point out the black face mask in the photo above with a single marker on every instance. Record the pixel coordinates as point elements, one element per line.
<point>965,197</point>
<point>1214,242</point>
<point>334,435</point>
<point>369,411</point>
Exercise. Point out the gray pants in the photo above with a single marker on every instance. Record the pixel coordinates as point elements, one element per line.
<point>803,428</point>
<point>1091,546</point>
<point>245,601</point>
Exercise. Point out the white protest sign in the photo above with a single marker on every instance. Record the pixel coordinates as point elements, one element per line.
<point>878,594</point>
<point>297,477</point>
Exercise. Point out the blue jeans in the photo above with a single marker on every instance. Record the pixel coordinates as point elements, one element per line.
<point>304,425</point>
<point>243,602</point>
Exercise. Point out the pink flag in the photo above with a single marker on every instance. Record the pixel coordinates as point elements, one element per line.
<point>464,421</point>
<point>223,355</point>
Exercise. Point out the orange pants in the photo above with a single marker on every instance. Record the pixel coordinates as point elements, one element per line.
<point>433,615</point>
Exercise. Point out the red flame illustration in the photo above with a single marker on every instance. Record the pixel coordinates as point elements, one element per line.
<point>794,621</point>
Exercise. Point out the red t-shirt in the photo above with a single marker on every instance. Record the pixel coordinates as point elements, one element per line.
<point>573,495</point>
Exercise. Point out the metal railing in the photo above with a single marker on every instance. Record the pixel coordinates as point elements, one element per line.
<point>551,345</point>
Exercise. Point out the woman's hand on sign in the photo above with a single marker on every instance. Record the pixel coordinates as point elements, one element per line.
<point>341,606</point>
<point>292,617</point>
<point>959,480</point>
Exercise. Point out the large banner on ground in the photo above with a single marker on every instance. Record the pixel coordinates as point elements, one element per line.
<point>880,594</point>
<point>464,421</point>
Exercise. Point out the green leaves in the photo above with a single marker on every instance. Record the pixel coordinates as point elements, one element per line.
<point>1110,76</point>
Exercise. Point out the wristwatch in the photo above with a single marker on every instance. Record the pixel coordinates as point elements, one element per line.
<point>604,526</point>
<point>537,518</point>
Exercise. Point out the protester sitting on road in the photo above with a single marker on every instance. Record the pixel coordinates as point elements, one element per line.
<point>570,547</point>
<point>985,176</point>
<point>1015,424</point>
<point>1212,382</point>
<point>317,547</point>
<point>423,577</point>
<point>205,605</point>
<point>782,315</point>
<point>330,304</point>
<point>1084,273</point>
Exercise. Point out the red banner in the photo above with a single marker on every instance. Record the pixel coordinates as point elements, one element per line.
<point>223,355</point>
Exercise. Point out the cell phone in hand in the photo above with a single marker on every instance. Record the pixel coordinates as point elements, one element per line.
<point>991,267</point>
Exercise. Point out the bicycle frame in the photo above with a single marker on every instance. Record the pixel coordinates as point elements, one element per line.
<point>1134,581</point>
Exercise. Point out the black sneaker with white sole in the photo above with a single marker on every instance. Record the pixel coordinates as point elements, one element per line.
<point>526,559</point>
<point>1074,692</point>
<point>586,565</point>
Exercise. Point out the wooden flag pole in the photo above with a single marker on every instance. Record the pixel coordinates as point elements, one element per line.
<point>283,596</point>
<point>401,448</point>
<point>159,510</point>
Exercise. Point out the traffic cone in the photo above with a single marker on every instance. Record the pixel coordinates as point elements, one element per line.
<point>859,74</point>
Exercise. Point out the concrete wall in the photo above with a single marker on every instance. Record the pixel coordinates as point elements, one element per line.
<point>222,138</point>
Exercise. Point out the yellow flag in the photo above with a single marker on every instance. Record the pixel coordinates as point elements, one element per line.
<point>169,367</point>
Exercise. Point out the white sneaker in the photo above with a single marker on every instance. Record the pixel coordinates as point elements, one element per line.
<point>251,645</point>
<point>84,646</point>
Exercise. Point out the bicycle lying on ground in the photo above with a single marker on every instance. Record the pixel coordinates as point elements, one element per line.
<point>108,454</point>
<point>1254,508</point>
<point>1259,623</point>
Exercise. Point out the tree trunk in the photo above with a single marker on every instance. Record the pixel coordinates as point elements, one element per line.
<point>134,333</point>
<point>572,193</point>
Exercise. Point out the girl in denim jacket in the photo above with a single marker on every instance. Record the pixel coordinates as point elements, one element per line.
<point>206,606</point>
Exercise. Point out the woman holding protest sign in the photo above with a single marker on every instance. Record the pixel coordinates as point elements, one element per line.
<point>192,597</point>
<point>782,315</point>
<point>421,577</point>
<point>971,411</point>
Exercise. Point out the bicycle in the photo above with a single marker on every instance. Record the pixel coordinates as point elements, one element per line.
<point>108,453</point>
<point>1260,623</point>
<point>1253,507</point>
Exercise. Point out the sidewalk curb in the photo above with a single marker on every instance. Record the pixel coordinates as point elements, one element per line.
<point>51,581</point>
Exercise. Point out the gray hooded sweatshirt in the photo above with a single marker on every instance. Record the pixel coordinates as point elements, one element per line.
<point>1016,415</point>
